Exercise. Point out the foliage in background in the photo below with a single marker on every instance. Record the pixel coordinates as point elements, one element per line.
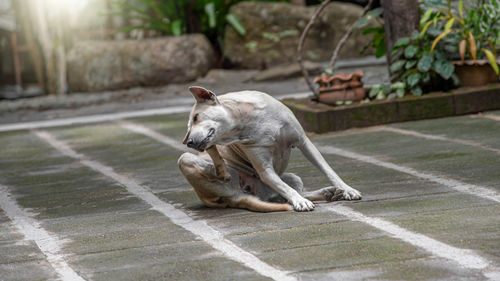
<point>422,62</point>
<point>381,91</point>
<point>472,31</point>
<point>177,17</point>
<point>378,40</point>
<point>419,66</point>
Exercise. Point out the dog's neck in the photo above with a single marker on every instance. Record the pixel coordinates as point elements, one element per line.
<point>240,114</point>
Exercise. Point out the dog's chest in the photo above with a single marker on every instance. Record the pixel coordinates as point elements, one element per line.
<point>236,158</point>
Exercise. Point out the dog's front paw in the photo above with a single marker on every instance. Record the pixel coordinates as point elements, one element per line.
<point>302,205</point>
<point>351,193</point>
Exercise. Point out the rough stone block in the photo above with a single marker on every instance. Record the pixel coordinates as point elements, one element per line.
<point>112,65</point>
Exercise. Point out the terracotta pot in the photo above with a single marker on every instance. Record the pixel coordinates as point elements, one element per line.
<point>340,87</point>
<point>478,73</point>
<point>332,97</point>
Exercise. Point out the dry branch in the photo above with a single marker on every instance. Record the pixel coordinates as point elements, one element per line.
<point>301,44</point>
<point>347,34</point>
<point>337,49</point>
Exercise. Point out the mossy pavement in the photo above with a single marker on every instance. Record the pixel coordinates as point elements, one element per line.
<point>110,234</point>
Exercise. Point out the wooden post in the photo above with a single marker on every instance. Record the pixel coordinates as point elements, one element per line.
<point>24,20</point>
<point>401,18</point>
<point>15,58</point>
<point>39,18</point>
<point>49,35</point>
<point>60,57</point>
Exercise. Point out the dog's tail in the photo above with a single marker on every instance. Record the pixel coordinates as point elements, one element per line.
<point>253,203</point>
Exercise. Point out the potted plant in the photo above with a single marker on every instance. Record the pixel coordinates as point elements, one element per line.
<point>472,32</point>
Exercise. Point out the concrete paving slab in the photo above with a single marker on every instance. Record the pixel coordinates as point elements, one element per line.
<point>472,228</point>
<point>209,269</point>
<point>456,161</point>
<point>152,163</point>
<point>359,252</point>
<point>306,235</point>
<point>423,204</point>
<point>416,269</point>
<point>153,235</point>
<point>7,232</point>
<point>18,251</point>
<point>473,128</point>
<point>250,222</point>
<point>48,186</point>
<point>182,261</point>
<point>28,270</point>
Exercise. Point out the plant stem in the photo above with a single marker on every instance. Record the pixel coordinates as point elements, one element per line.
<point>347,34</point>
<point>337,49</point>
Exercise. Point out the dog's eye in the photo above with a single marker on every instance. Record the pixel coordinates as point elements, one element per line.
<point>195,118</point>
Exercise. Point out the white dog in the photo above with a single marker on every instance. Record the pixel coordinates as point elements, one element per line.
<point>254,133</point>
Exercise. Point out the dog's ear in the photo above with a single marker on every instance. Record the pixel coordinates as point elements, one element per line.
<point>202,95</point>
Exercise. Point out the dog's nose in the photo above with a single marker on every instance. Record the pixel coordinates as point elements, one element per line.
<point>190,143</point>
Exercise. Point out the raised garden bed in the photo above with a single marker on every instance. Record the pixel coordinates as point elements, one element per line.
<point>321,118</point>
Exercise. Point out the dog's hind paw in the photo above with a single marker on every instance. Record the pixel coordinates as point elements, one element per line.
<point>331,194</point>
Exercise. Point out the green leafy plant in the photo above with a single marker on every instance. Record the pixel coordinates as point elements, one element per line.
<point>381,91</point>
<point>419,66</point>
<point>378,40</point>
<point>161,16</point>
<point>473,30</point>
<point>177,17</point>
<point>341,102</point>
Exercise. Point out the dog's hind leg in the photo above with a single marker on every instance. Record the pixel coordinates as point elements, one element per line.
<point>200,173</point>
<point>254,186</point>
<point>314,156</point>
<point>329,194</point>
<point>292,180</point>
<point>325,194</point>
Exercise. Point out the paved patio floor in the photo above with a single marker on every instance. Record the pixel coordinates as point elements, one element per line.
<point>106,201</point>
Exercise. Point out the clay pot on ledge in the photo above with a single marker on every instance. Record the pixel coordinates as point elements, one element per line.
<point>340,87</point>
<point>475,73</point>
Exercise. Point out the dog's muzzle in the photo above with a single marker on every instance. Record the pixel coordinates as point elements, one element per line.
<point>200,146</point>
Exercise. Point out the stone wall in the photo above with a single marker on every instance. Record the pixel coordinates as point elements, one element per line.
<point>273,31</point>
